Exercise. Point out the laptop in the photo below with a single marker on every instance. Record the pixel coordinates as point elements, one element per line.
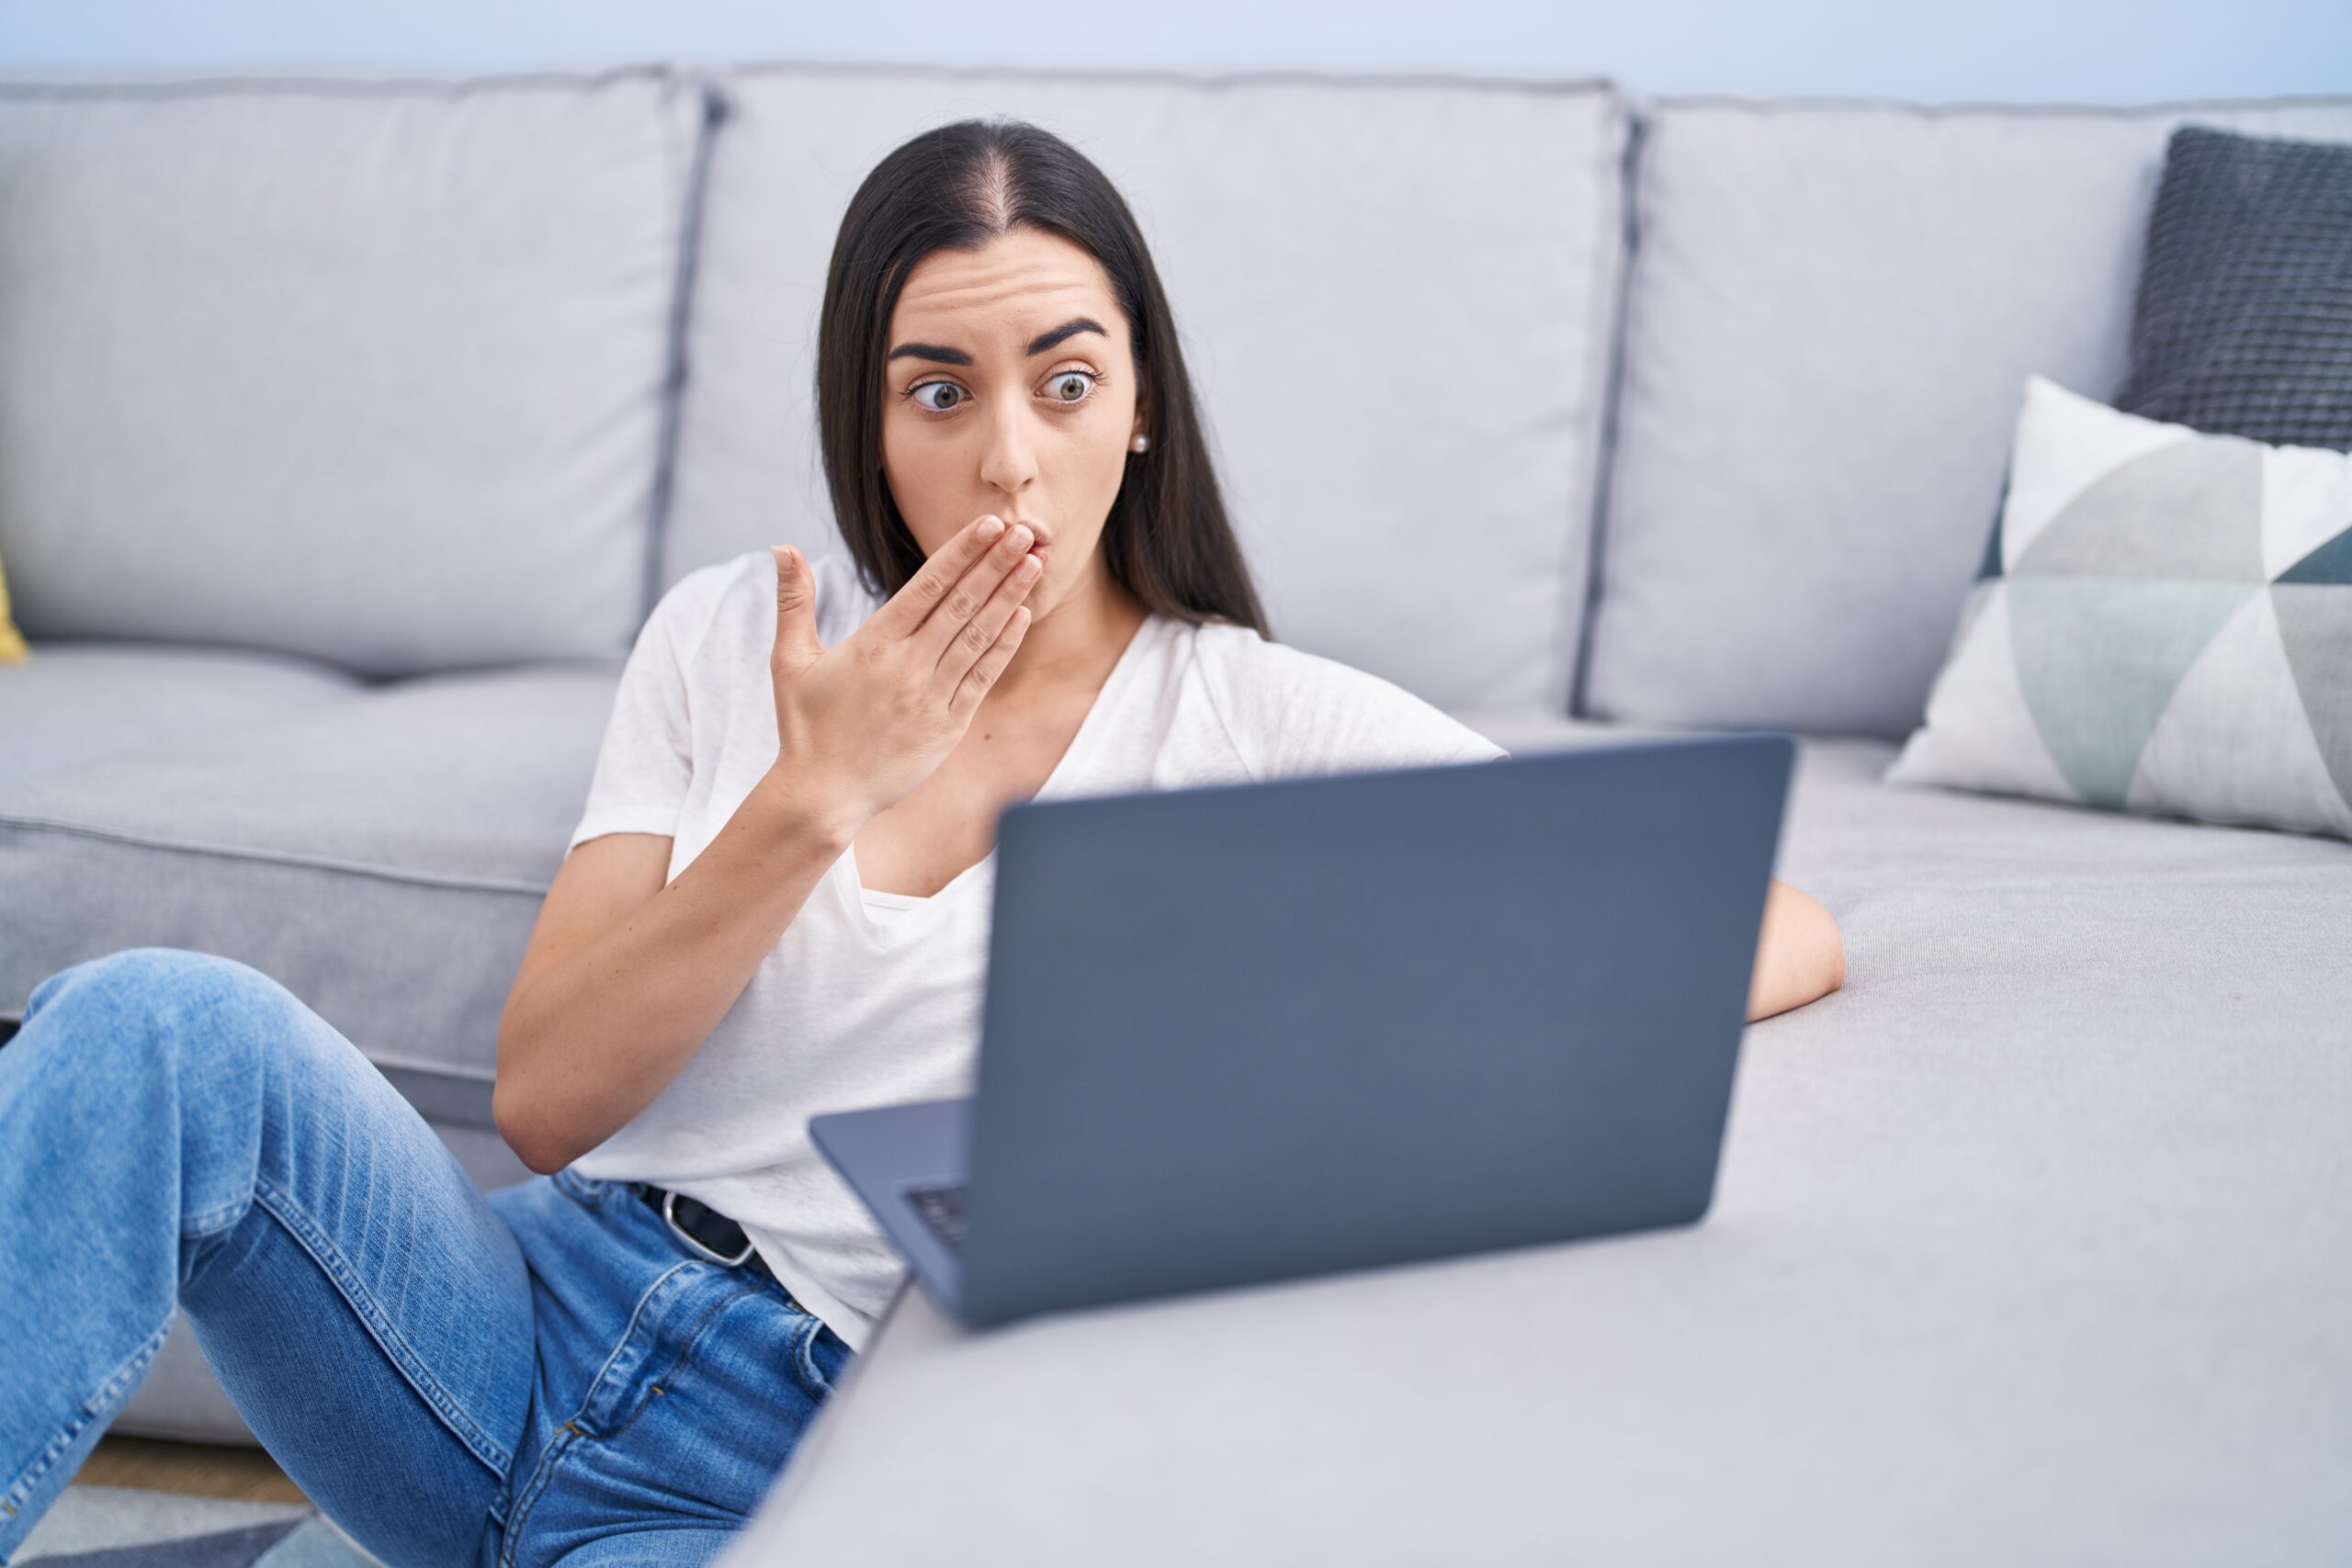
<point>1236,1033</point>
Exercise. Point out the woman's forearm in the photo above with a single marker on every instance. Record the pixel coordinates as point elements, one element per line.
<point>595,1039</point>
<point>1799,956</point>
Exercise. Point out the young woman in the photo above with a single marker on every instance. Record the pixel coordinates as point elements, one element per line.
<point>774,905</point>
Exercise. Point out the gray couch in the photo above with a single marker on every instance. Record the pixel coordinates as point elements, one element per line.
<point>349,429</point>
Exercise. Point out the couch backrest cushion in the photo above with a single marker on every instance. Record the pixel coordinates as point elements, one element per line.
<point>1393,297</point>
<point>369,371</point>
<point>1831,313</point>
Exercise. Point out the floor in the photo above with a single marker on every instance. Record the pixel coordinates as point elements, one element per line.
<point>195,1469</point>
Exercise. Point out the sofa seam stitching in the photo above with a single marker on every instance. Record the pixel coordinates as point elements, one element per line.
<point>268,857</point>
<point>677,367</point>
<point>1628,235</point>
<point>201,84</point>
<point>1277,76</point>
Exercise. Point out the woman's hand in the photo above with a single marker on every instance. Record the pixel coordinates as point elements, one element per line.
<point>1799,956</point>
<point>861,724</point>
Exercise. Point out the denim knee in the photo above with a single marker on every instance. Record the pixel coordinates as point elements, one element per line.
<point>122,998</point>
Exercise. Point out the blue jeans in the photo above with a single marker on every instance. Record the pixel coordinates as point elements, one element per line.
<point>546,1374</point>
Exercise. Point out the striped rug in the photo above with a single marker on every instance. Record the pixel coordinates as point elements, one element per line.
<point>123,1526</point>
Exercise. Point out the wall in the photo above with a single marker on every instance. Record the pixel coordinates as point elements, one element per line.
<point>2100,51</point>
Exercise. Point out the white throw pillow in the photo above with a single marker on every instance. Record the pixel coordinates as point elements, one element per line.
<point>2164,626</point>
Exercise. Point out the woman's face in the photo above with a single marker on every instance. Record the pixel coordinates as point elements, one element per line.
<point>1011,389</point>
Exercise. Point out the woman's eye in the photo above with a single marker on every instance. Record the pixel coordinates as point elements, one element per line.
<point>953,394</point>
<point>1071,386</point>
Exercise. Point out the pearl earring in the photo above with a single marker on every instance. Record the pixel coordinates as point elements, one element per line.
<point>1140,443</point>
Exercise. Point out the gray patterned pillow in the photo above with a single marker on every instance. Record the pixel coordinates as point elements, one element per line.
<point>2165,627</point>
<point>2243,321</point>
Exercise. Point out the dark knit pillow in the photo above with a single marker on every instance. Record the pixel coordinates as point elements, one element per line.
<point>2242,324</point>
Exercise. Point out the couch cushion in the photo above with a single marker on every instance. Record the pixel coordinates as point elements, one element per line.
<point>371,372</point>
<point>74,702</point>
<point>382,853</point>
<point>1831,311</point>
<point>1394,297</point>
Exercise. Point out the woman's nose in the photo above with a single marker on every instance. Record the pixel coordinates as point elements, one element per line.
<point>1011,458</point>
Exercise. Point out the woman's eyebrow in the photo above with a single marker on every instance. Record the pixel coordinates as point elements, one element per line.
<point>1045,341</point>
<point>1037,344</point>
<point>929,351</point>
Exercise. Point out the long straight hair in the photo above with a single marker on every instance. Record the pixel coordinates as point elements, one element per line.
<point>1166,538</point>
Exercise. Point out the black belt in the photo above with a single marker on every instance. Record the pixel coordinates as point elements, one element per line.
<point>705,1229</point>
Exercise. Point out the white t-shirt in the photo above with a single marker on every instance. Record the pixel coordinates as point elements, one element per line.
<point>873,997</point>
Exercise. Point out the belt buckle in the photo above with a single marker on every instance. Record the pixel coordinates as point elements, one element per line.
<point>669,1198</point>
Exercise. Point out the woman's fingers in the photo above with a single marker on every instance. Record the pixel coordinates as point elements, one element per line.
<point>980,580</point>
<point>907,610</point>
<point>983,673</point>
<point>974,639</point>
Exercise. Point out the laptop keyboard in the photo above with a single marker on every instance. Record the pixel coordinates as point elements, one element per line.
<point>941,1209</point>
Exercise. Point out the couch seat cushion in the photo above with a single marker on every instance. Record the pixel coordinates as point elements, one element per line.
<point>74,702</point>
<point>382,852</point>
